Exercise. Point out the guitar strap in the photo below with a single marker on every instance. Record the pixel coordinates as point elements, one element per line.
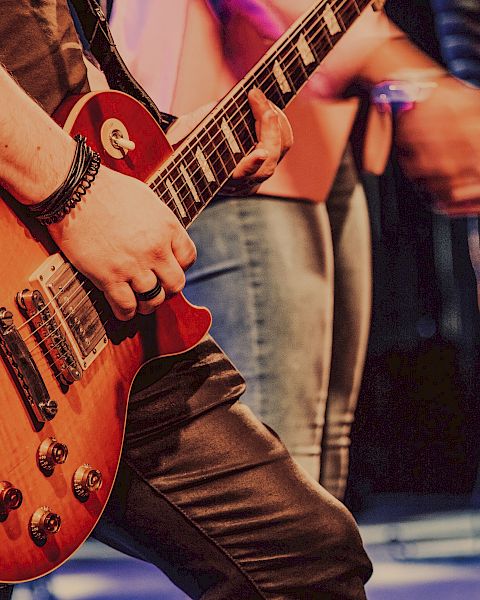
<point>98,38</point>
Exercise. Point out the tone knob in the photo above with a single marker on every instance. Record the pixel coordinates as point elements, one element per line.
<point>51,453</point>
<point>85,481</point>
<point>10,499</point>
<point>43,523</point>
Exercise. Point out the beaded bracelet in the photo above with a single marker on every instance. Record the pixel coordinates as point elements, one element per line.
<point>81,175</point>
<point>408,87</point>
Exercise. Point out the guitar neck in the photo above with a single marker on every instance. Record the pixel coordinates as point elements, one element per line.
<point>203,163</point>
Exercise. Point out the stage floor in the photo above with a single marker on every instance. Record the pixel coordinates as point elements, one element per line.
<point>428,557</point>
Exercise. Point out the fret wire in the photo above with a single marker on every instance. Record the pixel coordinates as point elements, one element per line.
<point>178,196</point>
<point>234,128</point>
<point>228,151</point>
<point>187,197</point>
<point>244,126</point>
<point>244,104</point>
<point>217,153</point>
<point>290,52</point>
<point>180,190</point>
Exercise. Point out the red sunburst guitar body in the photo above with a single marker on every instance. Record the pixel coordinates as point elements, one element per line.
<point>51,468</point>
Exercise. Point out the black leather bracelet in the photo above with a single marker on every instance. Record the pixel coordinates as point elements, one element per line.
<point>81,175</point>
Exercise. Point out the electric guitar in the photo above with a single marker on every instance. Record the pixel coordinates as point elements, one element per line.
<point>65,368</point>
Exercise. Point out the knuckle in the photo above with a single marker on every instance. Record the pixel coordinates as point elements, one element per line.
<point>160,252</point>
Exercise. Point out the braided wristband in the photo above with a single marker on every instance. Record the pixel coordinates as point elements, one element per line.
<point>83,171</point>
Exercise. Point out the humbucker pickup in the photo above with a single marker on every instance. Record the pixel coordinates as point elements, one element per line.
<point>64,317</point>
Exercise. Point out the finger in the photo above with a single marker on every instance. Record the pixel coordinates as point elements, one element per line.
<point>269,136</point>
<point>144,282</point>
<point>251,164</point>
<point>268,126</point>
<point>122,300</point>
<point>184,250</point>
<point>171,274</point>
<point>286,131</point>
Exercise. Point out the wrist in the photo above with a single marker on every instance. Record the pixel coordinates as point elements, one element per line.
<point>45,173</point>
<point>405,89</point>
<point>82,173</point>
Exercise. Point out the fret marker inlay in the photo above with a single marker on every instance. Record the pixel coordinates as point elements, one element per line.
<point>189,181</point>
<point>331,21</point>
<point>232,142</point>
<point>280,77</point>
<point>304,50</point>
<point>176,199</point>
<point>202,161</point>
<point>195,172</point>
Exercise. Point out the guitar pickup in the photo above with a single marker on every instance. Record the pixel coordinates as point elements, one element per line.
<point>69,325</point>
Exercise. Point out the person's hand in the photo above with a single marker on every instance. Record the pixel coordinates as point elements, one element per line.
<point>274,136</point>
<point>274,139</point>
<point>439,146</point>
<point>124,240</point>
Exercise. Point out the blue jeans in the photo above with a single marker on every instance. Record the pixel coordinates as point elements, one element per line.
<point>289,286</point>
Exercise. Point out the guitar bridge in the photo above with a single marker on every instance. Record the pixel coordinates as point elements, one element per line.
<point>49,333</point>
<point>25,371</point>
<point>64,317</point>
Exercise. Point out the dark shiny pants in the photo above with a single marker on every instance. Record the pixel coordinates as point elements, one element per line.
<point>210,495</point>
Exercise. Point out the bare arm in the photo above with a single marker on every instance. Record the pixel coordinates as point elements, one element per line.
<point>35,154</point>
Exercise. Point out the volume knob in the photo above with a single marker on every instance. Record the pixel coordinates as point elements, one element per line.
<point>43,523</point>
<point>11,498</point>
<point>51,453</point>
<point>85,481</point>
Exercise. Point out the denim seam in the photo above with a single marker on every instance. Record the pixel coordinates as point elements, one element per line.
<point>248,222</point>
<point>200,529</point>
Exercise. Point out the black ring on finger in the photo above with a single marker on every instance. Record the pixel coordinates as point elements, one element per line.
<point>149,294</point>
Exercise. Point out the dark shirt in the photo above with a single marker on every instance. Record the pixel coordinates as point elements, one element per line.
<point>458,27</point>
<point>40,48</point>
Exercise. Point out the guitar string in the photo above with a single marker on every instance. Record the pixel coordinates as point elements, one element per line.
<point>60,306</point>
<point>43,354</point>
<point>238,110</point>
<point>314,26</point>
<point>38,350</point>
<point>47,305</point>
<point>245,103</point>
<point>84,298</point>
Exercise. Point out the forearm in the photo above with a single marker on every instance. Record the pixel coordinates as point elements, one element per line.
<point>35,154</point>
<point>374,50</point>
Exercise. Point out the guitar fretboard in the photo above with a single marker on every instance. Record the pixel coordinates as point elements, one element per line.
<point>199,168</point>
